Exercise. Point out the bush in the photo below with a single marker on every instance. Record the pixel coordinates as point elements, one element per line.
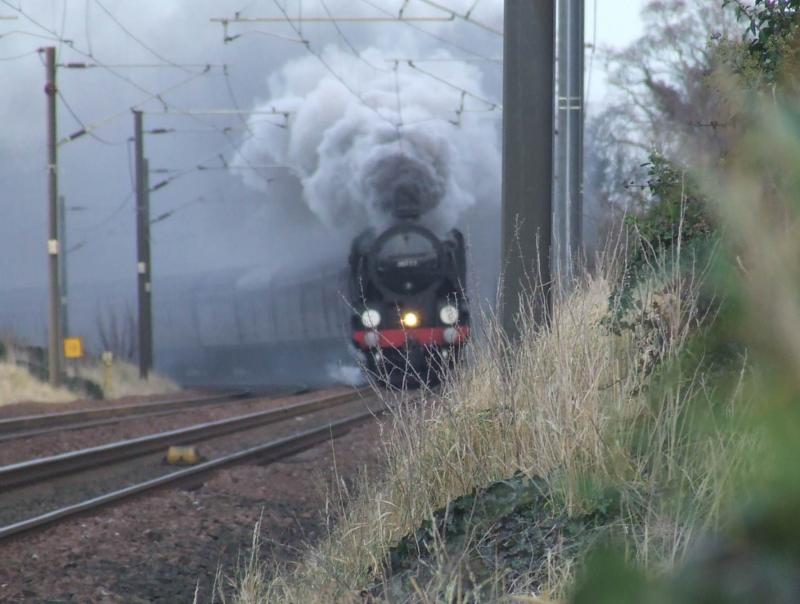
<point>676,226</point>
<point>84,388</point>
<point>771,38</point>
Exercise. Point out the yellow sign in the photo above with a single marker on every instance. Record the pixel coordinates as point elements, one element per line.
<point>73,348</point>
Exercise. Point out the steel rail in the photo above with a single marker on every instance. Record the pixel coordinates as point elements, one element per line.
<point>271,451</point>
<point>33,424</point>
<point>38,470</point>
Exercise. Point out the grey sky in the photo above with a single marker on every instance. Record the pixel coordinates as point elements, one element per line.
<point>615,23</point>
<point>217,220</point>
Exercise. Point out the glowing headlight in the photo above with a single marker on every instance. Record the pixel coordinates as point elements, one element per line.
<point>410,319</point>
<point>371,318</point>
<point>449,314</point>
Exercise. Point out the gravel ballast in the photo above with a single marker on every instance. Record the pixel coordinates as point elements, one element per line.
<point>162,546</point>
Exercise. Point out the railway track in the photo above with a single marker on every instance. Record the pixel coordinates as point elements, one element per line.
<point>34,425</point>
<point>42,470</point>
<point>36,470</point>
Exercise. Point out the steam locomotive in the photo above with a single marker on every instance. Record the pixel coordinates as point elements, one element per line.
<point>410,316</point>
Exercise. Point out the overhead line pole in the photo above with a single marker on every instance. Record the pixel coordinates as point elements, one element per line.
<point>143,269</point>
<point>561,214</point>
<point>568,198</point>
<point>148,281</point>
<point>54,293</point>
<point>62,243</point>
<point>576,121</point>
<point>528,107</point>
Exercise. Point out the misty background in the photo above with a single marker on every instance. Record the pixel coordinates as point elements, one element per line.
<point>272,194</point>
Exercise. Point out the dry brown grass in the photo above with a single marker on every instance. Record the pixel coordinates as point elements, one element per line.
<point>559,405</point>
<point>125,379</point>
<point>18,385</point>
<point>581,406</point>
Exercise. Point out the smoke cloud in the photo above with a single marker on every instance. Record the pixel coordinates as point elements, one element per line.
<point>366,134</point>
<point>347,375</point>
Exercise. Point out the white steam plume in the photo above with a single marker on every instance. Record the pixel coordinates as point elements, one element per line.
<point>349,375</point>
<point>365,133</point>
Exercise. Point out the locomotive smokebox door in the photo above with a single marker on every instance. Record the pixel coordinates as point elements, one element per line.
<point>410,313</point>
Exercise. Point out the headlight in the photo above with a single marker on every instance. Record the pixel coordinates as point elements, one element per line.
<point>410,319</point>
<point>371,318</point>
<point>449,314</point>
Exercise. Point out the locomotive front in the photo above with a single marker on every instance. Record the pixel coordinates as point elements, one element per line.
<point>410,314</point>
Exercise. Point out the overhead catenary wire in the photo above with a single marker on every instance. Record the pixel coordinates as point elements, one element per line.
<point>71,44</point>
<point>63,25</point>
<point>230,112</point>
<point>75,48</point>
<point>111,215</point>
<point>248,6</point>
<point>226,38</point>
<point>473,6</point>
<point>388,17</point>
<point>185,66</point>
<point>117,211</point>
<point>92,127</point>
<point>170,213</point>
<point>491,104</point>
<point>19,32</point>
<point>285,18</point>
<point>202,166</point>
<point>199,167</point>
<point>300,14</point>
<point>430,34</point>
<point>444,60</point>
<point>210,129</point>
<point>245,121</point>
<point>114,72</point>
<point>234,100</point>
<point>83,126</point>
<point>19,56</point>
<point>226,132</point>
<point>315,19</point>
<point>307,43</point>
<point>349,44</point>
<point>467,17</point>
<point>171,109</point>
<point>136,39</point>
<point>112,69</point>
<point>329,68</point>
